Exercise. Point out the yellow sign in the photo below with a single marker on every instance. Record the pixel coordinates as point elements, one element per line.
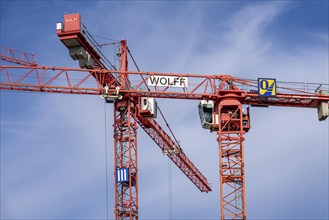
<point>266,87</point>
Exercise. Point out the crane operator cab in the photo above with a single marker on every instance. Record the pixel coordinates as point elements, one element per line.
<point>206,113</point>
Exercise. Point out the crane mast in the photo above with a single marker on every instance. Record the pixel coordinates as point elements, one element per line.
<point>221,110</point>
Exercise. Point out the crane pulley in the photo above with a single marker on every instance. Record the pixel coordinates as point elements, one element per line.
<point>110,97</point>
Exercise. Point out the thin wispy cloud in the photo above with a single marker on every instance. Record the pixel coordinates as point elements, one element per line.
<point>60,171</point>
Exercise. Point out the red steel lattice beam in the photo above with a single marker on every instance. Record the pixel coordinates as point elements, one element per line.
<point>125,151</point>
<point>174,152</point>
<point>81,81</point>
<point>17,56</point>
<point>231,160</point>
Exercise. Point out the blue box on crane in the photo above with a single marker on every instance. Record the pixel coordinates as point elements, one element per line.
<point>122,175</point>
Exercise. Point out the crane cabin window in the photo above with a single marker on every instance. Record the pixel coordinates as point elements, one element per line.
<point>206,113</point>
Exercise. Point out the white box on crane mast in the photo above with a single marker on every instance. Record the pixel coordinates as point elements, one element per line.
<point>148,107</point>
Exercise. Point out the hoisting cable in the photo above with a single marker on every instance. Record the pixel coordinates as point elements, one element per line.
<point>131,56</point>
<point>106,172</point>
<point>105,38</point>
<point>90,37</point>
<point>170,189</point>
<point>177,142</point>
<point>171,132</point>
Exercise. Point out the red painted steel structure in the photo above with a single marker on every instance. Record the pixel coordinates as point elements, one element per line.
<point>16,56</point>
<point>125,151</point>
<point>174,152</point>
<point>205,87</point>
<point>228,92</point>
<point>81,47</point>
<point>231,159</point>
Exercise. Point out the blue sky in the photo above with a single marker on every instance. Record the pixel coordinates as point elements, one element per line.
<point>52,146</point>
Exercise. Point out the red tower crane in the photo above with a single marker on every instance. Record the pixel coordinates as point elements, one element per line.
<point>132,92</point>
